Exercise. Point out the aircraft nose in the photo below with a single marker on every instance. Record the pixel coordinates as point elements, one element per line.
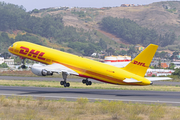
<point>10,49</point>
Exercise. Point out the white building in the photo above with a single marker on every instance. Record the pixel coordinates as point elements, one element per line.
<point>117,58</point>
<point>1,60</point>
<point>9,62</point>
<point>158,72</point>
<point>177,64</point>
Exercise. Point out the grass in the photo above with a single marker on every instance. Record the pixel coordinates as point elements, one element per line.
<point>27,108</point>
<point>30,83</point>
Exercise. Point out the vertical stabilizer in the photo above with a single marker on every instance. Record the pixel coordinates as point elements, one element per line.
<point>140,64</point>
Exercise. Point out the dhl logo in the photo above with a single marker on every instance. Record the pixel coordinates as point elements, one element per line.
<point>32,53</point>
<point>139,63</point>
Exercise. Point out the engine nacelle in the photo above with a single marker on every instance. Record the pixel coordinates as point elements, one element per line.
<point>37,70</point>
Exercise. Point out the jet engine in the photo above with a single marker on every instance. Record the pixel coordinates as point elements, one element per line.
<point>38,69</point>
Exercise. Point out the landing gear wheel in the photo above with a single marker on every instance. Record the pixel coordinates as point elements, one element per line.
<point>61,82</point>
<point>64,74</point>
<point>84,81</point>
<point>23,66</point>
<point>89,83</point>
<point>67,84</point>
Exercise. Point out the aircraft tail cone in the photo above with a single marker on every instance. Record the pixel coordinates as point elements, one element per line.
<point>151,83</point>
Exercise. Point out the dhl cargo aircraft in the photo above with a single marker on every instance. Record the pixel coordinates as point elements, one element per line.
<point>68,64</point>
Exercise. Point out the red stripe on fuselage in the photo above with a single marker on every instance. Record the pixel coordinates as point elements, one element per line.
<point>95,74</point>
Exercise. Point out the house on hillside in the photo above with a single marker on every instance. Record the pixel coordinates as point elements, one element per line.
<point>139,47</point>
<point>127,5</point>
<point>164,65</point>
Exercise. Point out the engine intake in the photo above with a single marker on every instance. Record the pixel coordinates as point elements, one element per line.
<point>40,71</point>
<point>44,72</point>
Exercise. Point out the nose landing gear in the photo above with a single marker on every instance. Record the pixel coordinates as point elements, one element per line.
<point>23,66</point>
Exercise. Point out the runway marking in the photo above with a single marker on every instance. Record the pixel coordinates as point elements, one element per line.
<point>125,100</point>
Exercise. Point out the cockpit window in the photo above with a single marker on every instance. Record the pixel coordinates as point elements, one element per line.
<point>12,45</point>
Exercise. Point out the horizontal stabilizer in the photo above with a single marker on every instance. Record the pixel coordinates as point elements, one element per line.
<point>131,80</point>
<point>158,78</point>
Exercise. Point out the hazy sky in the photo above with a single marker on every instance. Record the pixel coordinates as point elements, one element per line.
<point>32,4</point>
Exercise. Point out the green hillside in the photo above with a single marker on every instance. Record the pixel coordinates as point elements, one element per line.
<point>161,17</point>
<point>14,17</point>
<point>84,30</point>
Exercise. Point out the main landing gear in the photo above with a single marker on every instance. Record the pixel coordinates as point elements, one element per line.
<point>64,74</point>
<point>23,64</point>
<point>86,81</point>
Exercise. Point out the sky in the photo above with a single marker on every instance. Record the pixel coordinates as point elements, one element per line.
<point>39,4</point>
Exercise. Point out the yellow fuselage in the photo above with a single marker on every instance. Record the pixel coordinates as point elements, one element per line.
<point>84,67</point>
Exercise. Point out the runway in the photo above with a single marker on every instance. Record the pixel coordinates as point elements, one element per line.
<point>172,98</point>
<point>74,80</point>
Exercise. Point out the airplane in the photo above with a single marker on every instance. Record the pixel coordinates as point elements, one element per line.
<point>68,64</point>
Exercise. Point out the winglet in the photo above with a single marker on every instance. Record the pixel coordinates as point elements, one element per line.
<point>140,64</point>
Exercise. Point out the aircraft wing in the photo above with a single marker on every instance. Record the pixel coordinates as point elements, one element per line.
<point>55,68</point>
<point>157,78</point>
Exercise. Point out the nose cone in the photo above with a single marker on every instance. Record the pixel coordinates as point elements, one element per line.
<point>10,49</point>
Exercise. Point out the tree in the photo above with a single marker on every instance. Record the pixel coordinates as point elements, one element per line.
<point>174,56</point>
<point>168,39</point>
<point>102,44</point>
<point>35,11</point>
<point>157,54</point>
<point>131,50</point>
<point>110,51</point>
<point>3,65</point>
<point>176,72</point>
<point>135,34</point>
<point>70,51</point>
<point>89,51</point>
<point>62,49</point>
<point>159,63</point>
<point>171,66</point>
<point>5,55</point>
<point>163,54</point>
<point>123,52</point>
